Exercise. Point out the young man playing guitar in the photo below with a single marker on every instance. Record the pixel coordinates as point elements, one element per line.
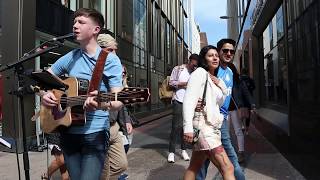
<point>84,146</point>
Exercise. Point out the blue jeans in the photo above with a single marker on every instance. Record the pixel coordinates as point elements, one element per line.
<point>226,142</point>
<point>84,154</point>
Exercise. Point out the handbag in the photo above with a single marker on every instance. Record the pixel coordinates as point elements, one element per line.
<point>200,116</point>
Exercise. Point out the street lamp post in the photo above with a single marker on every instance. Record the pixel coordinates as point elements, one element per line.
<point>230,17</point>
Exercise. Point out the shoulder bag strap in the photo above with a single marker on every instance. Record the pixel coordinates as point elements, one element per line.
<point>203,102</point>
<point>204,93</point>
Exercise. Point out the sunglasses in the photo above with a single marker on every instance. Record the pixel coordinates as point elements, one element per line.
<point>225,51</point>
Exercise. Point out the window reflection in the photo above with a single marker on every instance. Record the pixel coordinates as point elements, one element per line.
<point>110,15</point>
<point>304,53</point>
<point>275,63</point>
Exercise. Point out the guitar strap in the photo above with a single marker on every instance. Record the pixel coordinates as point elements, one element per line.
<point>97,72</point>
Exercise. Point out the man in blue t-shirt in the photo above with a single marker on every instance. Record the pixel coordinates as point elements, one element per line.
<point>84,146</point>
<point>226,54</point>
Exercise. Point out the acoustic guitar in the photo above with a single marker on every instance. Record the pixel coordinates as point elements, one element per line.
<point>70,103</point>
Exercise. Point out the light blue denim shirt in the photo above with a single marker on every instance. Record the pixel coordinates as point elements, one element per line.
<point>78,63</point>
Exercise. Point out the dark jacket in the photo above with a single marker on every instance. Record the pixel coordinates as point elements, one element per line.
<point>241,96</point>
<point>122,117</point>
<point>249,83</point>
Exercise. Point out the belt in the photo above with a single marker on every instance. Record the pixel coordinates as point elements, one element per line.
<point>178,102</point>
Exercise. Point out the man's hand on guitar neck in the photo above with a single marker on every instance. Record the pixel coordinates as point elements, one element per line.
<point>91,103</point>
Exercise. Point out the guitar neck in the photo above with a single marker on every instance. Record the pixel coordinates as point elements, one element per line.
<point>126,96</point>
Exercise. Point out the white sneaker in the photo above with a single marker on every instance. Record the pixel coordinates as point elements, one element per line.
<point>185,155</point>
<point>171,158</point>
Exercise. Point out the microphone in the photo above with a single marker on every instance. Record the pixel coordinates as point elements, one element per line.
<point>62,38</point>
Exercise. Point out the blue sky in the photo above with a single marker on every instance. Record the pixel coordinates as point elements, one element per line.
<point>207,13</point>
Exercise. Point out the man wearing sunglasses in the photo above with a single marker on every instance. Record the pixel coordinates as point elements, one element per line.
<point>226,53</point>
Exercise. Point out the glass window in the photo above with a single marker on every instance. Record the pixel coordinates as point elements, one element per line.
<point>95,4</point>
<point>169,45</point>
<point>180,20</point>
<point>289,16</point>
<point>306,57</point>
<point>163,38</point>
<point>156,31</point>
<point>279,20</point>
<point>125,50</point>
<point>110,7</point>
<point>179,50</point>
<point>271,34</point>
<point>141,77</point>
<point>174,56</point>
<point>169,15</point>
<point>73,5</point>
<point>275,70</point>
<point>140,28</point>
<point>125,20</point>
<point>186,29</point>
<point>173,13</point>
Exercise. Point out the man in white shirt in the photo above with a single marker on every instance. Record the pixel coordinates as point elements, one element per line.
<point>179,80</point>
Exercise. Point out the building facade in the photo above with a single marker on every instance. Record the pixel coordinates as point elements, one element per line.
<point>278,41</point>
<point>152,37</point>
<point>203,39</point>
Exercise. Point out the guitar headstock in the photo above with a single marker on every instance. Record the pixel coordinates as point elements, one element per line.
<point>134,95</point>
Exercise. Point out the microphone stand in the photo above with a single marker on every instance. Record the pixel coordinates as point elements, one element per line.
<point>20,92</point>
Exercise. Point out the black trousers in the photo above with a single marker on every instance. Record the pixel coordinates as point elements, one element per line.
<point>177,127</point>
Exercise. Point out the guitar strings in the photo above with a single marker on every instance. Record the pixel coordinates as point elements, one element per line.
<point>104,97</point>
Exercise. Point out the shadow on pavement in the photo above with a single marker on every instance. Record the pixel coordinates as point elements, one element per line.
<point>168,172</point>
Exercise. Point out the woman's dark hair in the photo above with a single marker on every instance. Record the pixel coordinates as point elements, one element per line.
<point>235,72</point>
<point>202,61</point>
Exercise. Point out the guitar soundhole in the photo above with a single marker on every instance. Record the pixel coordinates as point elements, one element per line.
<point>63,102</point>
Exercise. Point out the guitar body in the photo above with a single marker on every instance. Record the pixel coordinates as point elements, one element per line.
<point>51,118</point>
<point>69,110</point>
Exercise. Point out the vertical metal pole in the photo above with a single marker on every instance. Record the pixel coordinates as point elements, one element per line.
<point>20,94</point>
<point>37,99</point>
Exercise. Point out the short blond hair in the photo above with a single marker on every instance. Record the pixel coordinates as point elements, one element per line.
<point>105,40</point>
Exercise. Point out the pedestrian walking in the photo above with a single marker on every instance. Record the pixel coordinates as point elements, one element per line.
<point>116,161</point>
<point>204,84</point>
<point>240,94</point>
<point>179,80</point>
<point>58,162</point>
<point>248,110</point>
<point>226,53</point>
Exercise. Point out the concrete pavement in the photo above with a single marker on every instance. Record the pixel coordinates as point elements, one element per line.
<point>148,158</point>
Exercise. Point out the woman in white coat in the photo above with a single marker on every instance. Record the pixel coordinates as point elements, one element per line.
<point>209,142</point>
